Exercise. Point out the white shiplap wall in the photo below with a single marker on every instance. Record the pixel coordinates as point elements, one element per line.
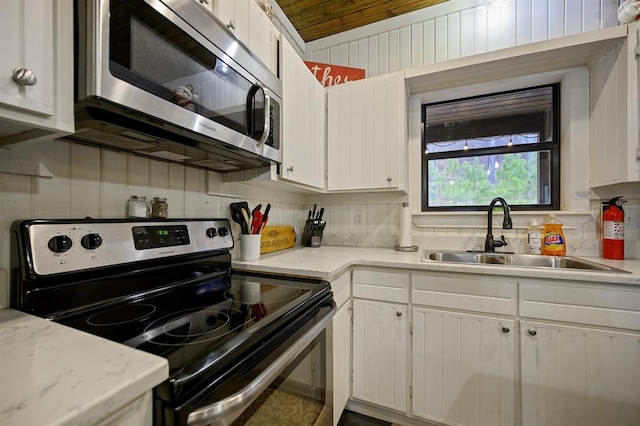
<point>459,28</point>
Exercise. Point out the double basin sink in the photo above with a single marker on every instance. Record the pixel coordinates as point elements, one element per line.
<point>518,260</point>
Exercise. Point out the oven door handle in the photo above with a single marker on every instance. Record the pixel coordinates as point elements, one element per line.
<point>224,412</point>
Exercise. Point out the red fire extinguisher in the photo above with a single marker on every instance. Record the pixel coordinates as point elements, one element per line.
<point>613,229</point>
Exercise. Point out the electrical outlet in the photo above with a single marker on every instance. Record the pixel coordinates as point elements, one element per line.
<point>358,219</point>
<point>631,219</point>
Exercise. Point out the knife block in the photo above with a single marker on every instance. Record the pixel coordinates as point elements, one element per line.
<point>312,234</point>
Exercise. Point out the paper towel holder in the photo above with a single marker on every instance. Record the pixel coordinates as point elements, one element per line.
<point>407,248</point>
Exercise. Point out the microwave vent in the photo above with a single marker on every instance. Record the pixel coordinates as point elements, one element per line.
<point>113,140</point>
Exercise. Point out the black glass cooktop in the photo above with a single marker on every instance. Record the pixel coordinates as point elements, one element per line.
<point>201,318</point>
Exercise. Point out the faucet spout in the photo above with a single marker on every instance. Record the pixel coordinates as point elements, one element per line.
<point>489,243</point>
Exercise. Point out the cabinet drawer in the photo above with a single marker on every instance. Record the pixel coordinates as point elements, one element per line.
<point>385,286</point>
<point>609,307</point>
<point>466,293</point>
<point>341,288</point>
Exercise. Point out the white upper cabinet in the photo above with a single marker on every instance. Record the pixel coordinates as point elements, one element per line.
<point>252,26</point>
<point>303,114</point>
<point>36,85</point>
<point>366,134</point>
<point>615,115</point>
<point>235,15</point>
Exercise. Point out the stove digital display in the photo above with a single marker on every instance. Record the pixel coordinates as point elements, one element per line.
<point>150,237</point>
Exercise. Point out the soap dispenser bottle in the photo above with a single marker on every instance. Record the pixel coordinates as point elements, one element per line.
<point>534,237</point>
<point>553,242</point>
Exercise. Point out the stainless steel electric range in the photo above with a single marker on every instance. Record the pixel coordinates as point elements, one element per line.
<point>233,341</point>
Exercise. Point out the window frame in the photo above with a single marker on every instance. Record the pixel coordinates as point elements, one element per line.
<point>552,146</point>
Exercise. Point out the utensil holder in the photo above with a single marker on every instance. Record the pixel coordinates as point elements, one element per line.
<point>312,234</point>
<point>250,246</point>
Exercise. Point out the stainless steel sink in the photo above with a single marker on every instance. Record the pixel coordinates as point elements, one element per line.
<point>518,260</point>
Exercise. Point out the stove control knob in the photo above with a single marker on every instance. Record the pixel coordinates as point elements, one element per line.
<point>91,241</point>
<point>60,243</point>
<point>211,232</point>
<point>223,232</point>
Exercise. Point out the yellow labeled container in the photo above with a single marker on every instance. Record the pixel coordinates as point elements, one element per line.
<point>275,238</point>
<point>553,241</point>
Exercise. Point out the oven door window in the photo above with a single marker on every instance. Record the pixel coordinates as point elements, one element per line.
<point>297,397</point>
<point>152,53</point>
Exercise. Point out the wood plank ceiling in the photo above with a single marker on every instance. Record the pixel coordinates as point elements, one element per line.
<point>315,19</point>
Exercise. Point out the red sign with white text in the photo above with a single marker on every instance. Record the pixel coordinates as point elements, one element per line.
<point>330,75</point>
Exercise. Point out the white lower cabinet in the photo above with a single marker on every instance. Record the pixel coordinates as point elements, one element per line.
<point>380,353</point>
<point>583,374</point>
<point>463,368</point>
<point>340,339</point>
<point>341,360</point>
<point>490,350</point>
<point>579,376</point>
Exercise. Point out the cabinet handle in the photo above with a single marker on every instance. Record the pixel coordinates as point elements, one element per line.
<point>532,332</point>
<point>24,77</point>
<point>232,24</point>
<point>204,1</point>
<point>505,329</point>
<point>389,179</point>
<point>290,169</point>
<point>398,313</point>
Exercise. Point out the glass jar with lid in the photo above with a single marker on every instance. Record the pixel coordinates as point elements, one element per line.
<point>137,206</point>
<point>159,207</point>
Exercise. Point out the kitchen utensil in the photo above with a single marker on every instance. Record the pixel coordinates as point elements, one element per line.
<point>256,221</point>
<point>240,215</point>
<point>265,217</point>
<point>247,218</point>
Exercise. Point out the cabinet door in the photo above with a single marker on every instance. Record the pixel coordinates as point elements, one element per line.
<point>303,158</point>
<point>579,376</point>
<point>614,138</point>
<point>235,15</point>
<point>341,328</point>
<point>259,33</point>
<point>380,353</point>
<point>27,41</point>
<point>366,135</point>
<point>463,368</point>
<point>37,37</point>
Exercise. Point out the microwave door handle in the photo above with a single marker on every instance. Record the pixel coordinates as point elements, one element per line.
<point>267,116</point>
<point>226,411</point>
<point>267,111</point>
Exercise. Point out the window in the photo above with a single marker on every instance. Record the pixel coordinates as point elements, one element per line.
<point>499,145</point>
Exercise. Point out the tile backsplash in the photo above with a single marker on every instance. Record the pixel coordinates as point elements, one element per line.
<point>91,182</point>
<point>379,227</point>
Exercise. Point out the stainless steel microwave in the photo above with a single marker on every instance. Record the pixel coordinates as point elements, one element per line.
<point>167,79</point>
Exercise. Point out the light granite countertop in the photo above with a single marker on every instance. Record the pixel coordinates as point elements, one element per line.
<point>56,375</point>
<point>328,262</point>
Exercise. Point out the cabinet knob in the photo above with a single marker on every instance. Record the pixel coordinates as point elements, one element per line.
<point>532,332</point>
<point>232,24</point>
<point>389,179</point>
<point>398,313</point>
<point>24,77</point>
<point>505,329</point>
<point>290,169</point>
